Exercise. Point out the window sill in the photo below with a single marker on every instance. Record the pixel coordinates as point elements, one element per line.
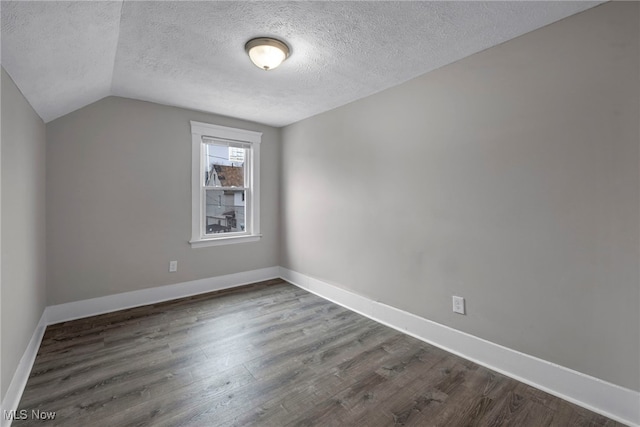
<point>219,241</point>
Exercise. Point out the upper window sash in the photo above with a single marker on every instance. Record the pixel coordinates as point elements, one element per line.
<point>225,142</point>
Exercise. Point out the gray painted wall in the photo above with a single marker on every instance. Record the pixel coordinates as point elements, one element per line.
<point>510,178</point>
<point>23,266</point>
<point>119,201</point>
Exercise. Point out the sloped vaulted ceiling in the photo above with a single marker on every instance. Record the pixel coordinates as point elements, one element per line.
<point>65,55</point>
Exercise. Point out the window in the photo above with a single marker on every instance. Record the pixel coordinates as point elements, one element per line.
<point>225,188</point>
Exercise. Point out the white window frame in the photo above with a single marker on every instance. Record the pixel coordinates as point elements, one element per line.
<point>205,131</point>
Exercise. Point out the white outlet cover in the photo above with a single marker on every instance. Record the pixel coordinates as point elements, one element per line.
<point>458,305</point>
<point>173,266</point>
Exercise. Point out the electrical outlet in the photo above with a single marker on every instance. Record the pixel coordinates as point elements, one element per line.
<point>173,266</point>
<point>458,305</point>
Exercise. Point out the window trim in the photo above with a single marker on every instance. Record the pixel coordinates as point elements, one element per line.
<point>252,233</point>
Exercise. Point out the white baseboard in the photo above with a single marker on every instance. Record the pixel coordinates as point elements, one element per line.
<point>94,306</point>
<point>610,400</point>
<point>20,377</point>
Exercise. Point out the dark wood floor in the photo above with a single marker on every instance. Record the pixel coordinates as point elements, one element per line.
<point>268,354</point>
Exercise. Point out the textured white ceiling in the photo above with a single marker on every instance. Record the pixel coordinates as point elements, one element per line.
<point>65,55</point>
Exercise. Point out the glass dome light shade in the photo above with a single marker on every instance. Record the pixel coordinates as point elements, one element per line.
<point>267,53</point>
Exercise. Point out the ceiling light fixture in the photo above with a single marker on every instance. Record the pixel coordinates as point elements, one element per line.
<point>267,53</point>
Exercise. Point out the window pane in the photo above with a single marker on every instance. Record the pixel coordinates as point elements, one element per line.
<point>225,211</point>
<point>224,166</point>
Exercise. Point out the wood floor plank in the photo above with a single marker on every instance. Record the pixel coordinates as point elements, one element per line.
<point>268,354</point>
<point>321,386</point>
<point>169,408</point>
